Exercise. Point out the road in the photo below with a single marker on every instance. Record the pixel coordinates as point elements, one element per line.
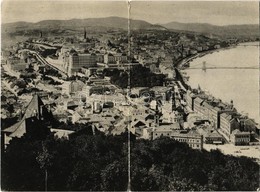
<point>44,62</point>
<point>230,149</point>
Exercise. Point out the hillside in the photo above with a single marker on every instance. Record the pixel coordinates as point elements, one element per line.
<point>229,30</point>
<point>104,23</point>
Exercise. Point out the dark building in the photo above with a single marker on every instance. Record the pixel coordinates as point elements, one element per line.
<point>35,120</point>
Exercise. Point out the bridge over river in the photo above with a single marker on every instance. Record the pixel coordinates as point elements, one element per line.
<point>205,66</point>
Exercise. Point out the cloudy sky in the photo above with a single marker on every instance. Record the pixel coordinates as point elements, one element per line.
<point>218,13</point>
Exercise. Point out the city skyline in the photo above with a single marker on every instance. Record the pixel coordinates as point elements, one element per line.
<point>155,12</point>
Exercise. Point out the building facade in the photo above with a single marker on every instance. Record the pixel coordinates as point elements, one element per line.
<point>74,62</point>
<point>228,123</point>
<point>240,138</point>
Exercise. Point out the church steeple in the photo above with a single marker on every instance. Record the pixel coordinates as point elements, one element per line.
<point>85,33</point>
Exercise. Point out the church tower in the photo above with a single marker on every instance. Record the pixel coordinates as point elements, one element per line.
<point>85,33</point>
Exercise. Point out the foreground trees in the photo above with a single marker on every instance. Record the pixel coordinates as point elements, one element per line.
<point>99,163</point>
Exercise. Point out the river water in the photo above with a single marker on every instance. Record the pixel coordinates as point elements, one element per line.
<point>240,85</point>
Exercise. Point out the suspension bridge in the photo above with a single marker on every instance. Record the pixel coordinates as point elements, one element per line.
<point>205,66</point>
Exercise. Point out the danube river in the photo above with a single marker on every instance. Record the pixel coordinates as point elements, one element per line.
<point>240,85</point>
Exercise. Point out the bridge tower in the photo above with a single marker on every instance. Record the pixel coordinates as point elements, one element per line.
<point>204,68</point>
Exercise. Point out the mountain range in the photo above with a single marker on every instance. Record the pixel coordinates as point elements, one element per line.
<point>122,23</point>
<point>228,30</point>
<point>107,22</point>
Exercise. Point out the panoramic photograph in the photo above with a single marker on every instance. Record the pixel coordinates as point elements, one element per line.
<point>130,95</point>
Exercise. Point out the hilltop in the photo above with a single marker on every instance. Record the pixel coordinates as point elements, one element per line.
<point>120,23</point>
<point>100,23</point>
<point>225,31</point>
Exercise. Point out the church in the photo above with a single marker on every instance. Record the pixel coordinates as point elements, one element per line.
<point>35,119</point>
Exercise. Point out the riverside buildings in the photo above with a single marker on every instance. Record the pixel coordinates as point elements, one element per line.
<point>223,117</point>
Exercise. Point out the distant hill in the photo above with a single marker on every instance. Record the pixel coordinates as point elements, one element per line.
<point>104,23</point>
<point>229,30</point>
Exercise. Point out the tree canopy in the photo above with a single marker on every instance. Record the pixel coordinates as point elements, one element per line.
<point>140,77</point>
<point>100,163</point>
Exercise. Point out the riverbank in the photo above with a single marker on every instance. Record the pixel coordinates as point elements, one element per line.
<point>186,60</point>
<point>228,84</point>
<point>180,64</point>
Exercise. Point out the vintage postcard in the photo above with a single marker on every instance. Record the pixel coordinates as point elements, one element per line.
<point>129,95</point>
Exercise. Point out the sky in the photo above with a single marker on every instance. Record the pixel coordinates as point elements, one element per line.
<point>216,13</point>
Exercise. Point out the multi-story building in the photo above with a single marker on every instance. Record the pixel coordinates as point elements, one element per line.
<point>197,105</point>
<point>109,59</point>
<point>240,138</point>
<point>214,113</point>
<point>74,62</point>
<point>210,135</point>
<point>247,124</point>
<point>191,137</point>
<point>211,112</point>
<point>228,123</point>
<point>118,58</point>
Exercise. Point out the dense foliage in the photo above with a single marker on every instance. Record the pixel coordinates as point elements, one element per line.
<point>98,162</point>
<point>140,77</point>
<point>165,164</point>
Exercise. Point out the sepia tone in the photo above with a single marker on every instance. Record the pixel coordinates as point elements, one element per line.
<point>130,95</point>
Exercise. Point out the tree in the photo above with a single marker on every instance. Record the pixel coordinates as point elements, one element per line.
<point>44,159</point>
<point>115,176</point>
<point>100,162</point>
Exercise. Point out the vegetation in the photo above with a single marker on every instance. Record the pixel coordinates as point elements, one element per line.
<point>51,72</point>
<point>140,77</point>
<point>50,80</point>
<point>98,162</point>
<point>166,165</point>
